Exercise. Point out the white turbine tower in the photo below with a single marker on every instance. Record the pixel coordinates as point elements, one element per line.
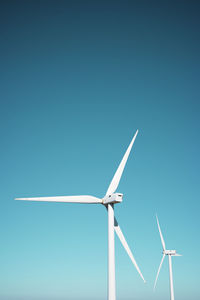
<point>108,201</point>
<point>170,253</point>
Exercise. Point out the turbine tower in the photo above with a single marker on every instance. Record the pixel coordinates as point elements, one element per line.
<point>170,253</point>
<point>109,200</point>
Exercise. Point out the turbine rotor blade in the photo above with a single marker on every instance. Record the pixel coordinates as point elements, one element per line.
<point>126,247</point>
<point>69,199</point>
<point>116,179</point>
<point>159,271</point>
<point>161,236</point>
<point>178,254</point>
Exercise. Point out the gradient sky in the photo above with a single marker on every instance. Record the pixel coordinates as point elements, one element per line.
<point>77,79</point>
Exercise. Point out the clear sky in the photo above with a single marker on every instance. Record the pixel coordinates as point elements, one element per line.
<point>78,78</point>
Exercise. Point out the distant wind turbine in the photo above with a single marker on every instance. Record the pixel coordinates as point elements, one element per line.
<point>170,253</point>
<point>108,201</point>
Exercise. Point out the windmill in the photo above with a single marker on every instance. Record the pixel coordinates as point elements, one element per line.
<point>109,200</point>
<point>170,253</point>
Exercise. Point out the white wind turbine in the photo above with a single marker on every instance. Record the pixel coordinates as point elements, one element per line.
<point>108,201</point>
<point>170,253</point>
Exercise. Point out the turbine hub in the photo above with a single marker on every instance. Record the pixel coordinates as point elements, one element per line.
<point>114,198</point>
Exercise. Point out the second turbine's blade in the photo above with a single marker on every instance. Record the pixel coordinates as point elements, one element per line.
<point>159,270</point>
<point>115,181</point>
<point>126,247</point>
<point>161,236</point>
<point>72,199</point>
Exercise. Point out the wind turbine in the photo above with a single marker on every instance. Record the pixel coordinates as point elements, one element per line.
<point>170,253</point>
<point>109,200</point>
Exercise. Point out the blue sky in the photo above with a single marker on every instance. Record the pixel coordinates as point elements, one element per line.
<point>77,79</point>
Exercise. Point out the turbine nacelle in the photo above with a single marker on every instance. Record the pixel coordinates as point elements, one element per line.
<point>114,198</point>
<point>169,252</point>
